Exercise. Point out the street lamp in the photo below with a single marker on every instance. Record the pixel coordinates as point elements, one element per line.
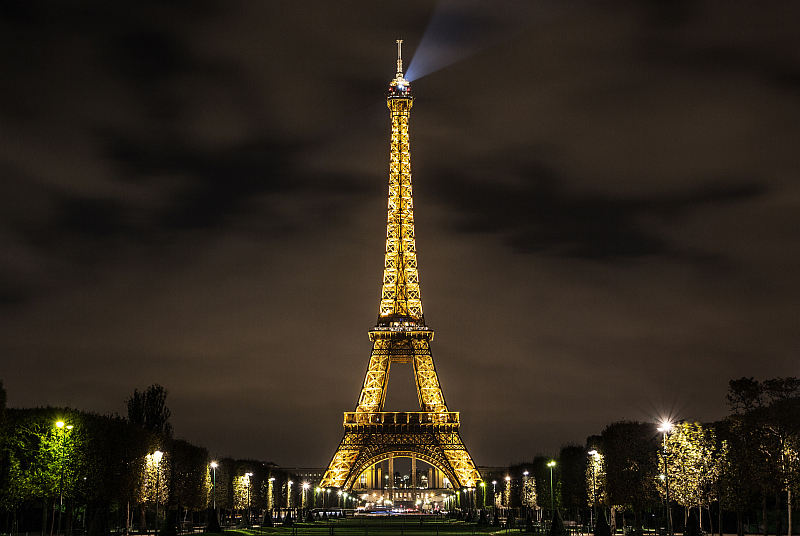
<point>525,489</point>
<point>551,464</point>
<point>249,485</point>
<point>665,428</point>
<point>494,493</point>
<point>271,495</point>
<point>306,485</point>
<point>61,426</point>
<point>214,466</point>
<point>593,454</point>
<point>157,458</point>
<point>289,494</point>
<point>483,494</point>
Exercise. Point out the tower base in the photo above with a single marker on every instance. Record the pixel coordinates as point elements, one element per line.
<point>372,437</point>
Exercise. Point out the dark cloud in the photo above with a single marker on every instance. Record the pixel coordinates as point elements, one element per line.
<point>529,204</point>
<point>93,219</point>
<point>218,183</point>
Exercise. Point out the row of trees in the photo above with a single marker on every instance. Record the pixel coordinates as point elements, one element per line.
<point>742,464</point>
<point>93,469</point>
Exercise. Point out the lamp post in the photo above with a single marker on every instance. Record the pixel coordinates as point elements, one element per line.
<point>249,485</point>
<point>289,494</point>
<point>214,466</point>
<point>552,464</point>
<point>306,485</point>
<point>665,428</point>
<point>64,429</point>
<point>157,458</point>
<point>271,494</point>
<point>483,494</point>
<point>508,490</point>
<point>525,489</point>
<point>494,493</point>
<point>593,454</point>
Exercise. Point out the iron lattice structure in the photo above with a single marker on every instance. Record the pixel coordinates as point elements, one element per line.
<point>400,336</point>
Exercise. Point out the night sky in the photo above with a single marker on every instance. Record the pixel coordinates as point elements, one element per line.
<point>194,194</point>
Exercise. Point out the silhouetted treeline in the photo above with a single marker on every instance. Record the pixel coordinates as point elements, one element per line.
<point>94,471</point>
<point>735,473</point>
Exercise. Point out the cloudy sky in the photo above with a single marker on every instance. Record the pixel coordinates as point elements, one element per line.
<point>193,193</point>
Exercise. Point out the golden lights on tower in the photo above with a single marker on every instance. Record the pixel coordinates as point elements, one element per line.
<point>400,336</point>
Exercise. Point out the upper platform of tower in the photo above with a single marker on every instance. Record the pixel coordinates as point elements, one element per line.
<point>399,87</point>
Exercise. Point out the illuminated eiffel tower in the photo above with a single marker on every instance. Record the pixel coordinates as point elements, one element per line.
<point>400,336</point>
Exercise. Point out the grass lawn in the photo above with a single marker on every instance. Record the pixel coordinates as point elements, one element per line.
<point>375,526</point>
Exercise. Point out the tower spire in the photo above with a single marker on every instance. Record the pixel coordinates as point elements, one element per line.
<point>400,58</point>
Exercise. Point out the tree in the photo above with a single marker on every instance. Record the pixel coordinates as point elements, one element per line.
<point>602,528</point>
<point>572,461</point>
<point>766,421</point>
<point>149,410</point>
<point>191,485</point>
<point>737,481</point>
<point>41,459</point>
<point>630,450</point>
<point>694,465</point>
<point>595,474</point>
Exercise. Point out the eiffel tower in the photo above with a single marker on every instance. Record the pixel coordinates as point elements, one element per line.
<point>372,435</point>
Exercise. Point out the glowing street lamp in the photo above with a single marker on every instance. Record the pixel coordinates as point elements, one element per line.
<point>157,458</point>
<point>271,495</point>
<point>483,494</point>
<point>214,466</point>
<point>64,429</point>
<point>593,454</point>
<point>249,485</point>
<point>665,429</point>
<point>289,494</point>
<point>306,485</point>
<point>552,464</point>
<point>525,488</point>
<point>494,492</point>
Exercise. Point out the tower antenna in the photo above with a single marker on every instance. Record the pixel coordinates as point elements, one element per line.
<point>399,58</point>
